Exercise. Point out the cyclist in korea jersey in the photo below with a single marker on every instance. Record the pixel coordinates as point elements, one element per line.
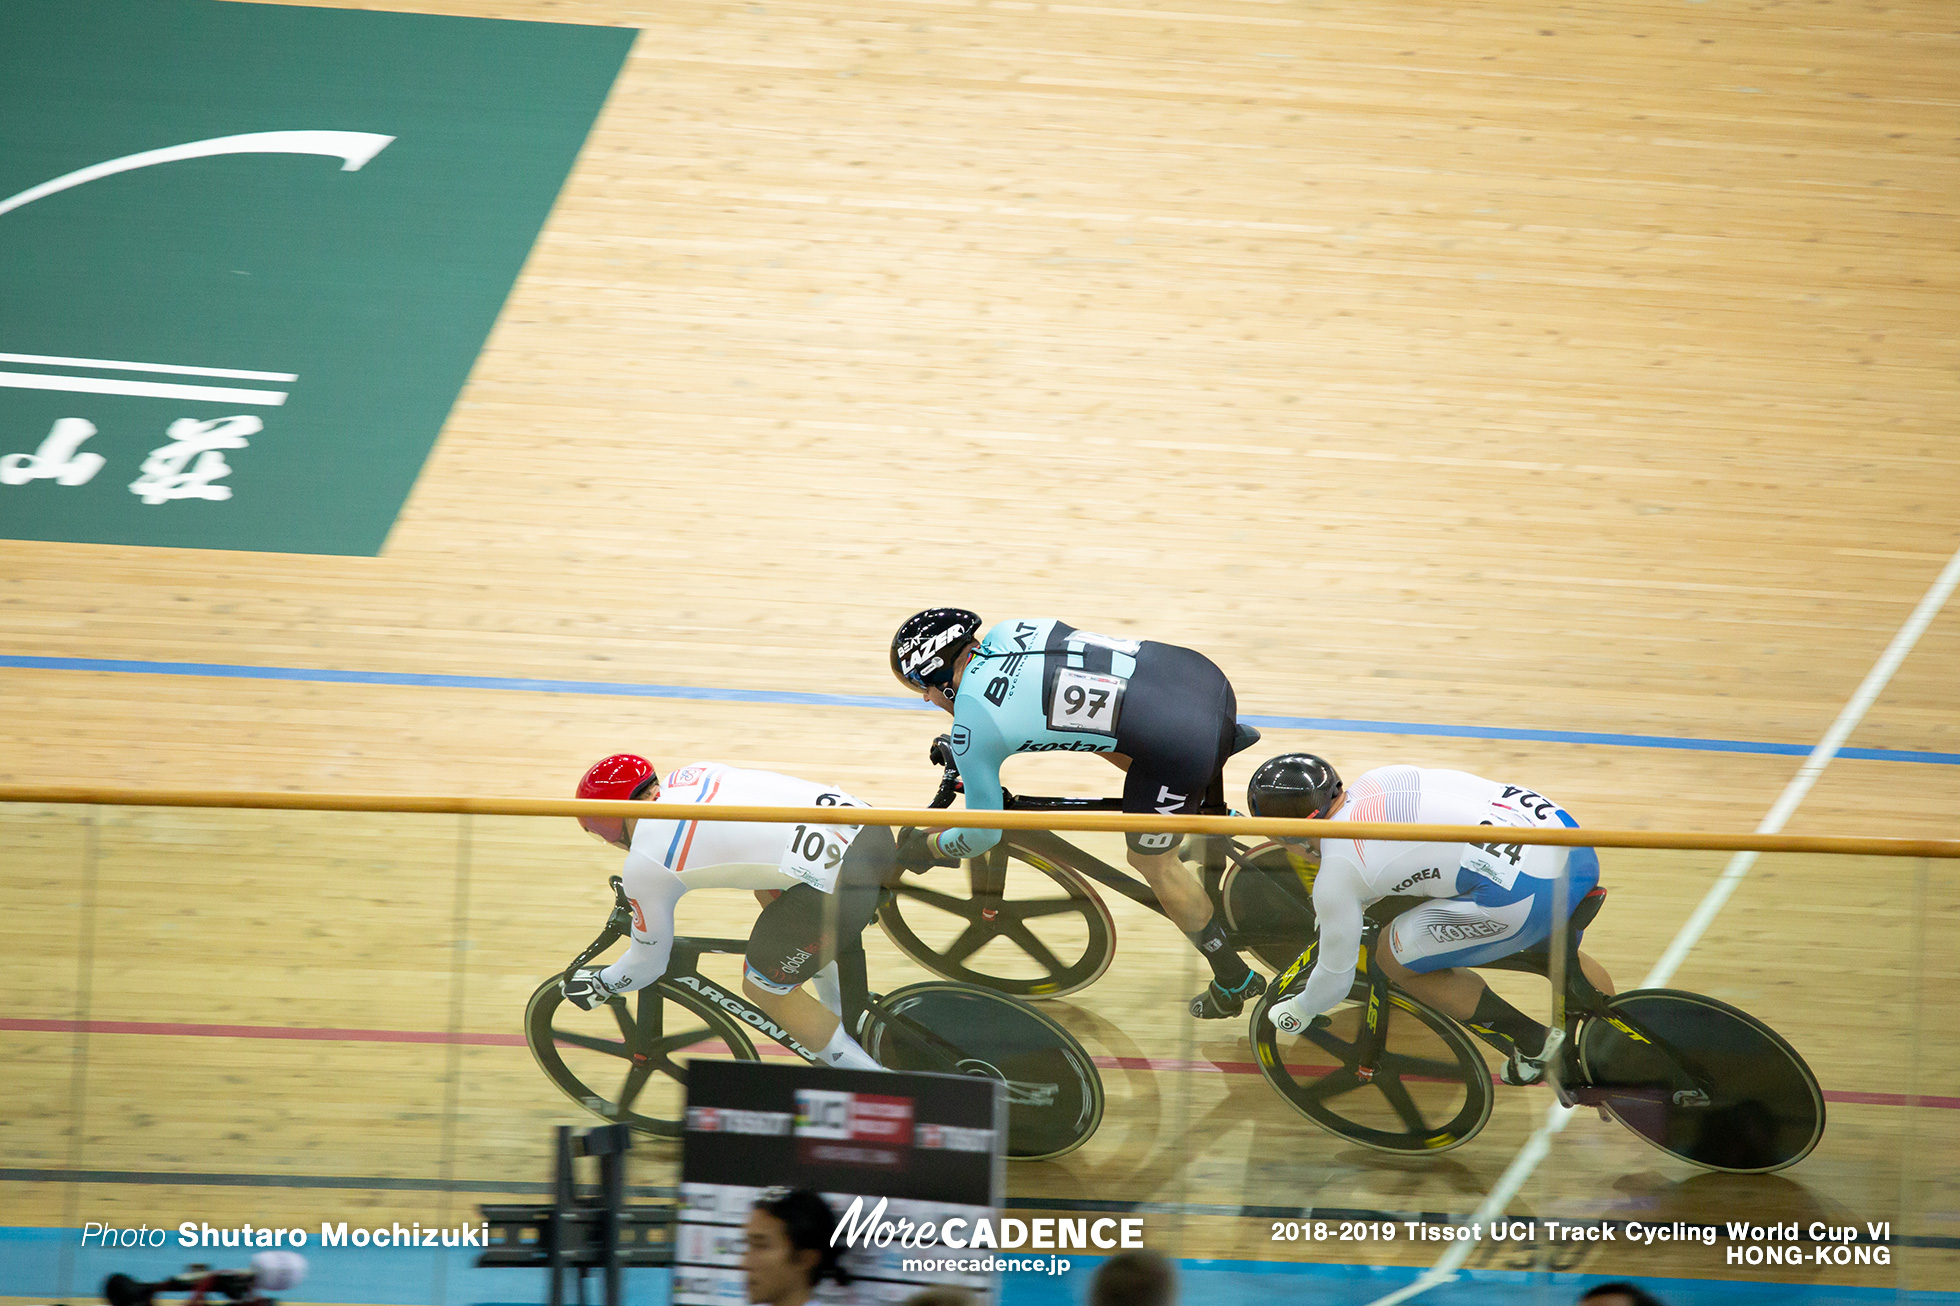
<point>1166,716</point>
<point>820,886</point>
<point>1485,900</point>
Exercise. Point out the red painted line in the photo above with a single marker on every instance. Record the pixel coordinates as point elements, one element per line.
<point>1891,1099</point>
<point>171,1029</point>
<point>261,1031</point>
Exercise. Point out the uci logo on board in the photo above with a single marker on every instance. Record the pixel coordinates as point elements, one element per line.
<point>249,253</point>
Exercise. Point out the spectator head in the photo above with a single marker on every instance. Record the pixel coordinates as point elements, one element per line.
<point>1139,1278</point>
<point>789,1250</point>
<point>1617,1294</point>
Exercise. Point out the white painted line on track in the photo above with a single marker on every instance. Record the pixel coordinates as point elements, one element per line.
<point>117,365</point>
<point>102,385</point>
<point>1539,1145</point>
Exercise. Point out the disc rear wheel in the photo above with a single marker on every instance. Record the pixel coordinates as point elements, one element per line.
<point>1764,1110</point>
<point>1054,1092</point>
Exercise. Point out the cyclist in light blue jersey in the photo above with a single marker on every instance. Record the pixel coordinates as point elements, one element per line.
<point>1166,716</point>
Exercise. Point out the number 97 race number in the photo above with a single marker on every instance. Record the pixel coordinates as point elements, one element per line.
<point>1086,702</point>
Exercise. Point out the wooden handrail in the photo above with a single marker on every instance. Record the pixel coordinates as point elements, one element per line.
<point>936,818</point>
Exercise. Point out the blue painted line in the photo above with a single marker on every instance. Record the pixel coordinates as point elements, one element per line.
<point>413,678</point>
<point>709,693</point>
<point>1588,737</point>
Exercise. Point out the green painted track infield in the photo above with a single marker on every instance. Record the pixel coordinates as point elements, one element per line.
<point>357,291</point>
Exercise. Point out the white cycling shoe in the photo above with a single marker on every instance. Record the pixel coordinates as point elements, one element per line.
<point>1521,1071</point>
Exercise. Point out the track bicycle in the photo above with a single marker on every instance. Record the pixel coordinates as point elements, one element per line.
<point>1697,1078</point>
<point>1025,918</point>
<point>627,1061</point>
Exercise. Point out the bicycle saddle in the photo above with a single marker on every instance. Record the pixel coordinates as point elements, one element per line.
<point>1588,907</point>
<point>1243,737</point>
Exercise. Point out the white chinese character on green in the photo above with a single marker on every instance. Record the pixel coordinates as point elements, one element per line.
<point>185,468</point>
<point>57,459</point>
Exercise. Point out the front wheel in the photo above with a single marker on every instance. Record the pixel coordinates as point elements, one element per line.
<point>1763,1110</point>
<point>626,1062</point>
<point>1018,919</point>
<point>1429,1091</point>
<point>1267,892</point>
<point>1054,1092</point>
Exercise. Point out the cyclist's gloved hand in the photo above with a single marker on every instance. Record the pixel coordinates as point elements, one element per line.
<point>586,990</point>
<point>915,851</point>
<point>1286,1018</point>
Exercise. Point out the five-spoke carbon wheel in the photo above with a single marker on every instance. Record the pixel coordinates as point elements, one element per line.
<point>1019,920</point>
<point>627,1061</point>
<point>1430,1090</point>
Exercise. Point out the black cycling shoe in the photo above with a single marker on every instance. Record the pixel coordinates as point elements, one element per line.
<point>1220,1003</point>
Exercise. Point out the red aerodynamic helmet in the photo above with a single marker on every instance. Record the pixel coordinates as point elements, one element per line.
<point>623,776</point>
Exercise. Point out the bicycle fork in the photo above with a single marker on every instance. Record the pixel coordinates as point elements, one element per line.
<point>1374,1023</point>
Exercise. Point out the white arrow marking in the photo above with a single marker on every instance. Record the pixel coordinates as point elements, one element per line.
<point>352,148</point>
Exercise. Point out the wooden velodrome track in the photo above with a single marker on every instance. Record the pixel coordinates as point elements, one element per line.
<point>1582,369</point>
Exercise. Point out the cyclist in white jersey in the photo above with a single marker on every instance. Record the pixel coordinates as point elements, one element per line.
<point>1486,900</point>
<point>819,886</point>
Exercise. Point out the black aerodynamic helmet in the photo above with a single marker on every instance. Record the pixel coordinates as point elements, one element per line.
<point>925,647</point>
<point>1294,786</point>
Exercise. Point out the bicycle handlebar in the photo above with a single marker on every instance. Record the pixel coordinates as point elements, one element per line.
<point>618,925</point>
<point>941,755</point>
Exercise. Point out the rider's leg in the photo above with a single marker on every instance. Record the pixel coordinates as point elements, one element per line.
<point>807,1020</point>
<point>791,1009</point>
<point>823,984</point>
<point>1185,900</point>
<point>1428,949</point>
<point>1179,890</point>
<point>805,931</point>
<point>1463,994</point>
<point>1452,990</point>
<point>1177,729</point>
<point>1597,975</point>
<point>824,988</point>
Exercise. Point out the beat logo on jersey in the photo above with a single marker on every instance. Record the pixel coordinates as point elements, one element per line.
<point>249,253</point>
